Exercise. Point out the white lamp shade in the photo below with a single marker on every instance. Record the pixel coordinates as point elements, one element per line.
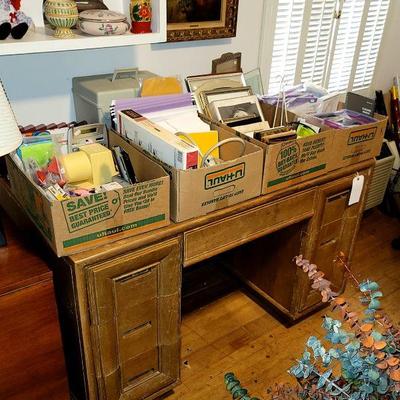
<point>10,136</point>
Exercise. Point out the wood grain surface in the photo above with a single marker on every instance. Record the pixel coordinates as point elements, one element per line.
<point>31,357</point>
<point>235,334</point>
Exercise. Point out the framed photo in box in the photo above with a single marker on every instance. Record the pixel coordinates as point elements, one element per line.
<point>237,111</point>
<point>209,96</point>
<point>201,19</point>
<point>199,83</point>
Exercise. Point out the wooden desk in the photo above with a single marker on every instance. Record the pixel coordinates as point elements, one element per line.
<point>120,304</point>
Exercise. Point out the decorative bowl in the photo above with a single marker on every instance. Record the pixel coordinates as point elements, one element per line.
<point>103,22</point>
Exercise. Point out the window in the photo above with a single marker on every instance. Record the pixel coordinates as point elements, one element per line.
<point>332,43</point>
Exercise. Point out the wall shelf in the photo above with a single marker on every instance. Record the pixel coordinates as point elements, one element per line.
<point>42,41</point>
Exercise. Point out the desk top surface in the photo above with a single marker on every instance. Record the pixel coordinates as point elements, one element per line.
<point>117,246</point>
<point>133,242</point>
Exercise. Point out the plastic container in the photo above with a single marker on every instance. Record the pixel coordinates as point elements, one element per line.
<point>93,94</point>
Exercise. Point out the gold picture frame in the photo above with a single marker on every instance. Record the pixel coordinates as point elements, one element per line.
<point>201,19</point>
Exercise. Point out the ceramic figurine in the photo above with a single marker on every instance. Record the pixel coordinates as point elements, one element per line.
<point>13,21</point>
<point>140,11</point>
<point>63,15</point>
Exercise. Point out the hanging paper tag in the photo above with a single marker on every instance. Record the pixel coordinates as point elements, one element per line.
<point>356,190</point>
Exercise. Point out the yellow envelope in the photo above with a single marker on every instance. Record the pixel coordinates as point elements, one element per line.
<point>204,141</point>
<point>159,86</point>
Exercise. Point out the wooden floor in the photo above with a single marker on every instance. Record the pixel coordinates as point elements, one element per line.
<point>235,334</point>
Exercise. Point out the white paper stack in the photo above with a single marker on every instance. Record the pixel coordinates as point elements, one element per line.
<point>157,141</point>
<point>181,119</point>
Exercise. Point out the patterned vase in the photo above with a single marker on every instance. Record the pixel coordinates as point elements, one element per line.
<point>63,15</point>
<point>140,11</point>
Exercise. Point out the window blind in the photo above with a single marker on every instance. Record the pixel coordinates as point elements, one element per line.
<point>345,44</point>
<point>313,42</point>
<point>319,35</point>
<point>288,25</point>
<point>370,44</point>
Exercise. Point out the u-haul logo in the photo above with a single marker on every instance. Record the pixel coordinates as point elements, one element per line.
<point>224,176</point>
<point>361,136</point>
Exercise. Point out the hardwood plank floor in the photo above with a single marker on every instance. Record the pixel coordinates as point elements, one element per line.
<point>235,334</point>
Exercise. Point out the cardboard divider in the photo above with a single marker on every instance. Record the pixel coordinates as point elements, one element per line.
<point>196,192</point>
<point>82,223</point>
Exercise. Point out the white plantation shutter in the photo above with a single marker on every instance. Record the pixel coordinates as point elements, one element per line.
<point>289,21</point>
<point>320,30</point>
<point>370,44</point>
<point>333,43</point>
<point>345,45</point>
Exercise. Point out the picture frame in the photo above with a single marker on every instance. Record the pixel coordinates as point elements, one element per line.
<point>237,111</point>
<point>201,19</point>
<point>208,96</point>
<point>200,83</point>
<point>253,79</point>
<point>228,62</point>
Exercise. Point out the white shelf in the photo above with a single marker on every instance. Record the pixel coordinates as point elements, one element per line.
<point>42,40</point>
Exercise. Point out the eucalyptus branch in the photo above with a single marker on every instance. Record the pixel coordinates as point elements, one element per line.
<point>316,372</point>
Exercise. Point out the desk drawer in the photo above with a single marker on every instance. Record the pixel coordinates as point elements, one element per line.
<point>215,238</point>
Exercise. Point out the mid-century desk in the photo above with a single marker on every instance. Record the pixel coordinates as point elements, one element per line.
<point>120,304</point>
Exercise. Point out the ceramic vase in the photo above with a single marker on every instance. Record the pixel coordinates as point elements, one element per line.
<point>140,11</point>
<point>63,15</point>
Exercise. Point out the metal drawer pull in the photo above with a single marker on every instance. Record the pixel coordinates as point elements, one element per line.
<point>137,328</point>
<point>133,275</point>
<point>338,196</point>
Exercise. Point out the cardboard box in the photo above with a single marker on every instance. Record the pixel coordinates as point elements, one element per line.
<point>296,161</point>
<point>196,192</point>
<point>81,223</point>
<point>357,143</point>
<point>290,162</point>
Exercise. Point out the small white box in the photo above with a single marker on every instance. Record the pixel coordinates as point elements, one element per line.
<point>157,141</point>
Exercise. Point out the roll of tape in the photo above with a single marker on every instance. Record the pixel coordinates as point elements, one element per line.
<point>77,167</point>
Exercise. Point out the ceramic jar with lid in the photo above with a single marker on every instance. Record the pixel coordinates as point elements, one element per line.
<point>140,11</point>
<point>103,22</point>
<point>63,15</point>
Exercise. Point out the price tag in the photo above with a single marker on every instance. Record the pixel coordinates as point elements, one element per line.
<point>356,189</point>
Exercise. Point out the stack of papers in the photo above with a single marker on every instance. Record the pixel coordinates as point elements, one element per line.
<point>175,113</point>
<point>149,104</point>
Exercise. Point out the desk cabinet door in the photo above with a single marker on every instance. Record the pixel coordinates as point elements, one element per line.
<point>135,317</point>
<point>334,230</point>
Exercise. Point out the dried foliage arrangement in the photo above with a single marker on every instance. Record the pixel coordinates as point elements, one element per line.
<point>360,359</point>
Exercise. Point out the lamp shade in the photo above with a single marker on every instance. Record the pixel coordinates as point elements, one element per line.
<point>10,136</point>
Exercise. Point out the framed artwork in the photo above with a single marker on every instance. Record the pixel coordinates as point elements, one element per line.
<point>228,62</point>
<point>201,19</point>
<point>200,83</point>
<point>237,111</point>
<point>209,96</point>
